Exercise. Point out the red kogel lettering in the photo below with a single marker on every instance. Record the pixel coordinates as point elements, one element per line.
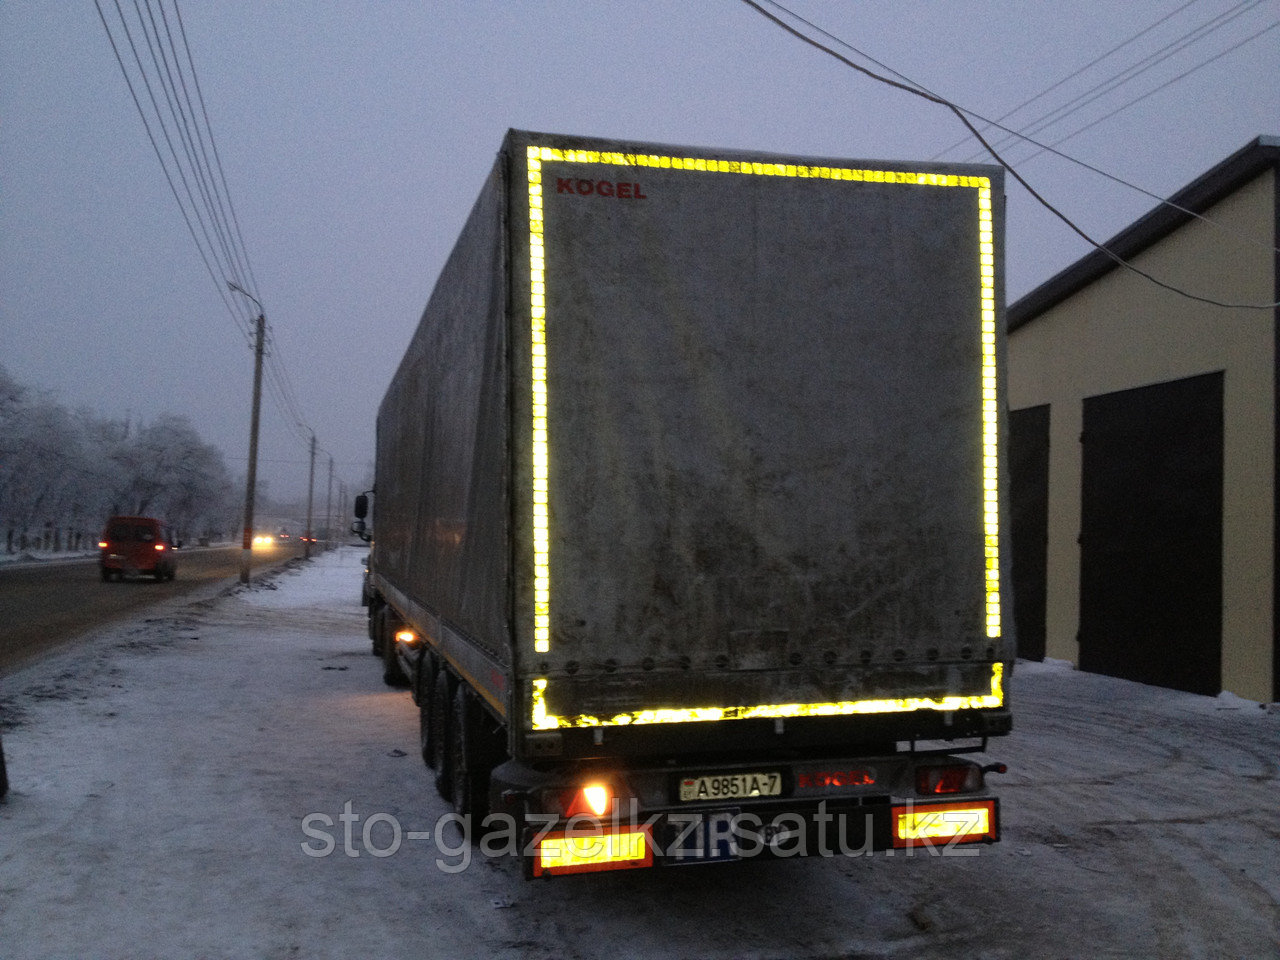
<point>841,778</point>
<point>615,189</point>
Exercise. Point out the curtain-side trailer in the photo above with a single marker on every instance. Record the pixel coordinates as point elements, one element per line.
<point>692,533</point>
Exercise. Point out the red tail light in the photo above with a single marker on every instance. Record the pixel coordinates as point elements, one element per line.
<point>159,546</point>
<point>952,778</point>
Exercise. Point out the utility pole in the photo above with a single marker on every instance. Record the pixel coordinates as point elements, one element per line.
<point>251,482</point>
<point>328,508</point>
<point>311,490</point>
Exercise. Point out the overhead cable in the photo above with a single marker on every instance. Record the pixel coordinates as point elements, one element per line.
<point>219,239</point>
<point>1043,147</point>
<point>960,113</point>
<point>1133,72</point>
<point>1071,76</point>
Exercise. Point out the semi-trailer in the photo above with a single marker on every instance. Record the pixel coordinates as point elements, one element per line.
<point>691,536</point>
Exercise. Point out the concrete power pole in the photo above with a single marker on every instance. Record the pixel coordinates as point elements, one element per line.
<point>328,509</point>
<point>251,482</point>
<point>311,490</point>
<point>250,487</point>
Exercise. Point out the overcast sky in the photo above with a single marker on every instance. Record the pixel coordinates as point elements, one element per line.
<point>354,137</point>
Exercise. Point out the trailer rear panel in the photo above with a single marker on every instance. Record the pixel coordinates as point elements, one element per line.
<point>765,394</point>
<point>690,436</point>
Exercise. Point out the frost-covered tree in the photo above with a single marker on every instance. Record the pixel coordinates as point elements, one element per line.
<point>62,473</point>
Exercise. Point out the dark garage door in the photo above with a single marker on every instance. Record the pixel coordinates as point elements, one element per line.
<point>1151,535</point>
<point>1029,480</point>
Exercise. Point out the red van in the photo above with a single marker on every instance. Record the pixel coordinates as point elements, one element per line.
<point>137,545</point>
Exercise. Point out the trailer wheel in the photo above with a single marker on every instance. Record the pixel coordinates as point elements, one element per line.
<point>392,672</point>
<point>440,732</point>
<point>375,628</point>
<point>468,776</point>
<point>426,707</point>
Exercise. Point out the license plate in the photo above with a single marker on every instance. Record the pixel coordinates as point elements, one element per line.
<point>730,786</point>
<point>702,837</point>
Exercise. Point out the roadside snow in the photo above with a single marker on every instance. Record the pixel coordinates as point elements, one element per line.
<point>165,773</point>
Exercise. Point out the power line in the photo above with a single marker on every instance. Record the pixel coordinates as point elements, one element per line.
<point>960,113</point>
<point>219,239</point>
<point>182,207</point>
<point>1071,76</point>
<point>222,176</point>
<point>1131,73</point>
<point>1043,147</point>
<point>1153,91</point>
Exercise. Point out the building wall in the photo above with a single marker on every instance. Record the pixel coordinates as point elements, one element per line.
<point>1123,331</point>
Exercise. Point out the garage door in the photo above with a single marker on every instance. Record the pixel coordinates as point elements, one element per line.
<point>1151,535</point>
<point>1029,481</point>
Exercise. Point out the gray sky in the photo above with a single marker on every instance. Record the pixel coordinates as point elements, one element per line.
<point>355,135</point>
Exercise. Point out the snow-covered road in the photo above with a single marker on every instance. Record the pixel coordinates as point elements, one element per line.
<point>231,778</point>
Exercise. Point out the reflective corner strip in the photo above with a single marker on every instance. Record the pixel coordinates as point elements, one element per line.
<point>536,157</point>
<point>989,699</point>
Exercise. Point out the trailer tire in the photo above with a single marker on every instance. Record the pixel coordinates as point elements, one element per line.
<point>440,732</point>
<point>468,776</point>
<point>392,673</point>
<point>426,707</point>
<point>375,627</point>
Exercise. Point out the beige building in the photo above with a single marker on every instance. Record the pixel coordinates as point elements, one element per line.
<point>1145,448</point>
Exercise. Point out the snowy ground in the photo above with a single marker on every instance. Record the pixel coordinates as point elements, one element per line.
<point>46,556</point>
<point>162,774</point>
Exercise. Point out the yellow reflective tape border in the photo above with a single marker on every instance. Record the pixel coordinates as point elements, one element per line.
<point>536,157</point>
<point>542,720</point>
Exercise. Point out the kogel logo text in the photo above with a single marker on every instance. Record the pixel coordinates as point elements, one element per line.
<point>617,189</point>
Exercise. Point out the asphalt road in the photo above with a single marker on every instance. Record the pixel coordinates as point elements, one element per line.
<point>44,605</point>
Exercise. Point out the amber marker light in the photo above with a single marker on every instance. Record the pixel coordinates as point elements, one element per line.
<point>592,799</point>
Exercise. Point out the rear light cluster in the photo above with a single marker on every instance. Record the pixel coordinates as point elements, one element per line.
<point>939,779</point>
<point>593,799</point>
<point>593,842</point>
<point>596,846</point>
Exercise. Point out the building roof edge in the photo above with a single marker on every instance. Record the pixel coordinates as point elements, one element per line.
<point>1235,171</point>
